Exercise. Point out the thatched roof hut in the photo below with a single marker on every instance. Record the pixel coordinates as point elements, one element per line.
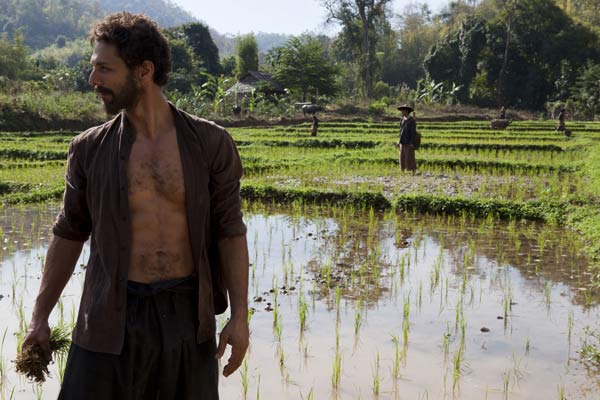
<point>255,80</point>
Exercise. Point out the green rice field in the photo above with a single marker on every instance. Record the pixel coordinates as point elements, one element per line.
<point>474,278</point>
<point>528,163</point>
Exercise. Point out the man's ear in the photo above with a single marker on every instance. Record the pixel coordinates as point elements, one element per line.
<point>145,72</point>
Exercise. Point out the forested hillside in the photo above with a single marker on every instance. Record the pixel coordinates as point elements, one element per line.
<point>533,54</point>
<point>165,13</point>
<point>42,22</point>
<point>46,22</point>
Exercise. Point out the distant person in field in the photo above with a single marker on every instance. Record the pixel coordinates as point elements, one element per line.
<point>407,139</point>
<point>503,113</point>
<point>315,125</point>
<point>562,115</point>
<point>158,192</point>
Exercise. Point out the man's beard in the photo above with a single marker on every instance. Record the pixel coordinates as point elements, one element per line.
<point>126,98</point>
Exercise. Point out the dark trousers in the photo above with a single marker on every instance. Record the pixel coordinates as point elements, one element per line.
<point>160,359</point>
<point>407,158</point>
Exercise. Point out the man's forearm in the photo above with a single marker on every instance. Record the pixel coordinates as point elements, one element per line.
<point>233,253</point>
<point>60,262</point>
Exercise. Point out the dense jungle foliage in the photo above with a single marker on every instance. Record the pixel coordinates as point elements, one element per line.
<point>538,55</point>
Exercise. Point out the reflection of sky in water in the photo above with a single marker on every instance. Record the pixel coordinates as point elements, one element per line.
<point>298,248</point>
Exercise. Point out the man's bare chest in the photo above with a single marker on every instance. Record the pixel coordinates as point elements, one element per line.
<point>154,169</point>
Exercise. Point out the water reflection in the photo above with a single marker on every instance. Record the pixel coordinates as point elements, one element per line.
<point>398,299</point>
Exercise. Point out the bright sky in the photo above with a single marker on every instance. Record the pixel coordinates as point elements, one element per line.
<point>270,16</point>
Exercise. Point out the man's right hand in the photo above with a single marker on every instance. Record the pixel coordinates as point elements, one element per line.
<point>38,334</point>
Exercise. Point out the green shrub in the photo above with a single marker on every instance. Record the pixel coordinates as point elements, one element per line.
<point>381,89</point>
<point>377,108</point>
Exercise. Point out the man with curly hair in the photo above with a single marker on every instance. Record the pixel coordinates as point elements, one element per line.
<point>158,192</point>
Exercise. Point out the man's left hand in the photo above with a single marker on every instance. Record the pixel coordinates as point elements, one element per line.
<point>236,334</point>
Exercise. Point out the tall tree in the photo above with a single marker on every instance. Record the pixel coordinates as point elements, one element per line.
<point>301,64</point>
<point>14,63</point>
<point>507,15</point>
<point>201,41</point>
<point>520,62</point>
<point>405,48</point>
<point>247,54</point>
<point>454,59</point>
<point>360,20</point>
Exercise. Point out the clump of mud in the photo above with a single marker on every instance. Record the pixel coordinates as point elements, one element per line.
<point>32,362</point>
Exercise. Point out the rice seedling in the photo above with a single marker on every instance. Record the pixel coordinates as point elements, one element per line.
<point>396,364</point>
<point>506,384</point>
<point>405,320</point>
<point>358,320</point>
<point>336,369</point>
<point>516,369</point>
<point>244,377</point>
<point>302,312</point>
<point>446,341</point>
<point>258,388</point>
<point>435,272</point>
<point>402,269</point>
<point>507,305</point>
<point>2,361</point>
<point>548,293</point>
<point>570,327</point>
<point>281,360</point>
<point>376,377</point>
<point>39,391</point>
<point>61,312</point>
<point>277,323</point>
<point>306,351</point>
<point>457,363</point>
<point>309,396</point>
<point>561,392</point>
<point>61,363</point>
<point>32,363</point>
<point>338,299</point>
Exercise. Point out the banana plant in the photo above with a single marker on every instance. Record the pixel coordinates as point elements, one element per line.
<point>214,90</point>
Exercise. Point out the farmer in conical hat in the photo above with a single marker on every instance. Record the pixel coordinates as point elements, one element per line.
<point>407,140</point>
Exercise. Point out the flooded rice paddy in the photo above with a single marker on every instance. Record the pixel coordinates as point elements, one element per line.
<point>364,305</point>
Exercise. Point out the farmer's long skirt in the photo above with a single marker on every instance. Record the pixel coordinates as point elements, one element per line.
<point>407,158</point>
<point>160,359</point>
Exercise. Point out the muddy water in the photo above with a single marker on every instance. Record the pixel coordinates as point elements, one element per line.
<point>411,307</point>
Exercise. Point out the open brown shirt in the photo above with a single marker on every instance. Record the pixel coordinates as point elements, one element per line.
<point>96,203</point>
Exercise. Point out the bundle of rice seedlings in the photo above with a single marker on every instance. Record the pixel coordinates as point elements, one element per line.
<point>31,361</point>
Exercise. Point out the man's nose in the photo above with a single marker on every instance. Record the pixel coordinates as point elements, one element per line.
<point>93,78</point>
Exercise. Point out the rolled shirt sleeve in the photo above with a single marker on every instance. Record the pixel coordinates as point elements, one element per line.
<point>224,185</point>
<point>74,221</point>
